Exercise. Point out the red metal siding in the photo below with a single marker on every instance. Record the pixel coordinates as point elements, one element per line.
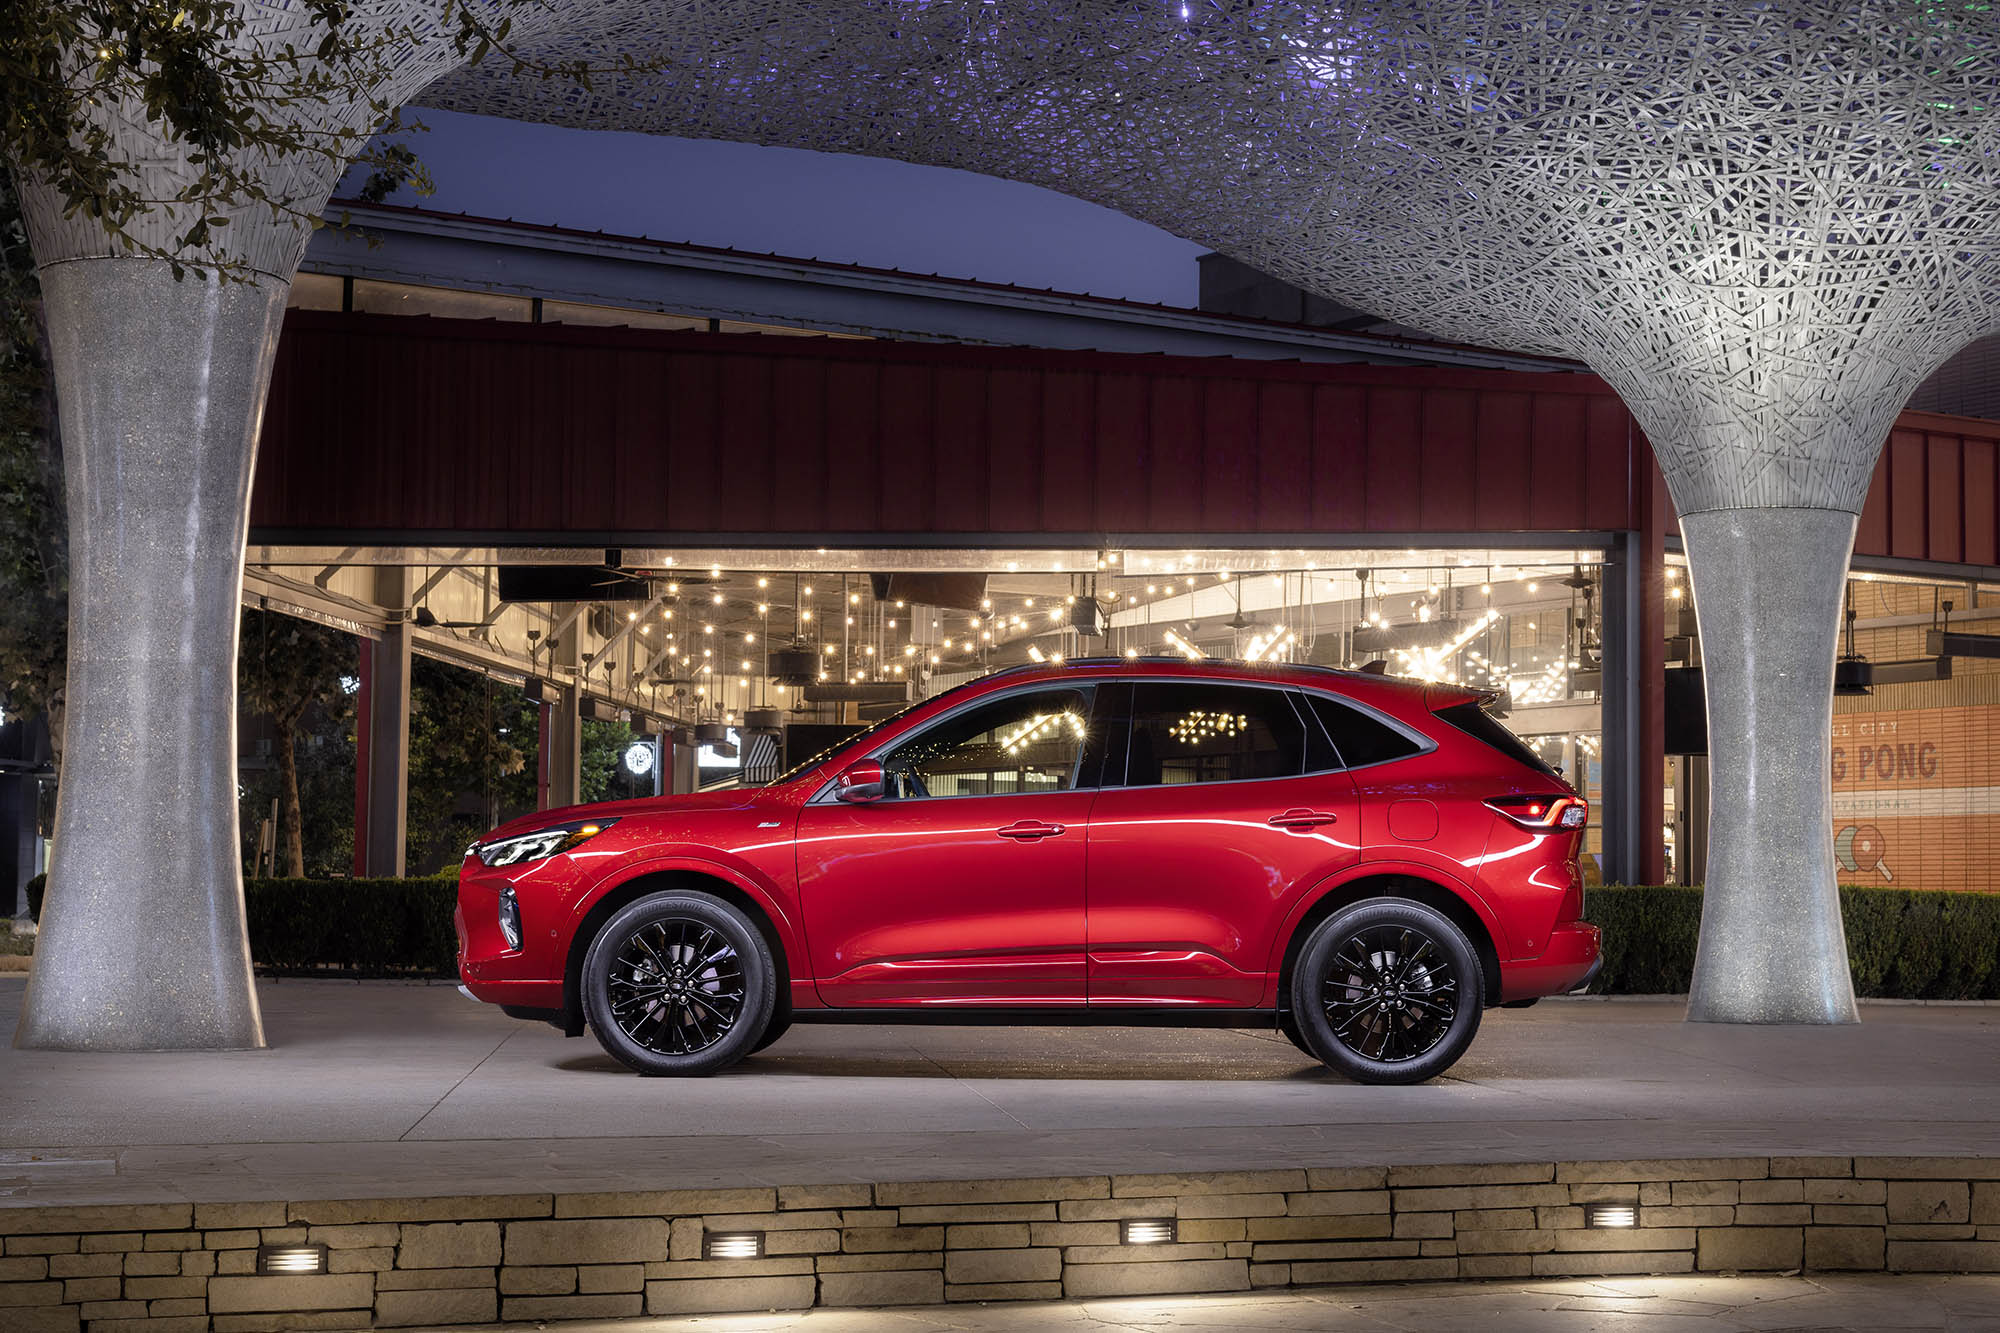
<point>1934,496</point>
<point>419,428</point>
<point>1980,502</point>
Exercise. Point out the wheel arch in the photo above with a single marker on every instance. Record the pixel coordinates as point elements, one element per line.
<point>1393,885</point>
<point>643,885</point>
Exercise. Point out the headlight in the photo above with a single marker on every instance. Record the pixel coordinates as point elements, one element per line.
<point>541,843</point>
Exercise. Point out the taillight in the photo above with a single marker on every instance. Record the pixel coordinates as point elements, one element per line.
<point>1543,813</point>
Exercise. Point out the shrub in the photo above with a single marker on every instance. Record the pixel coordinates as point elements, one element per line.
<point>364,927</point>
<point>1649,937</point>
<point>35,887</point>
<point>1912,944</point>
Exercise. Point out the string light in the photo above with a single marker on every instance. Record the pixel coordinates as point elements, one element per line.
<point>1200,725</point>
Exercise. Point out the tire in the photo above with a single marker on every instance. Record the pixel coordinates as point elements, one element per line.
<point>1387,991</point>
<point>778,1027</point>
<point>1289,1026</point>
<point>679,984</point>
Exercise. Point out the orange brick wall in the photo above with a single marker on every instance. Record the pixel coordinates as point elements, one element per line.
<point>1916,797</point>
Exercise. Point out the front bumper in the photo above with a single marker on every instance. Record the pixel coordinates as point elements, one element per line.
<point>492,970</point>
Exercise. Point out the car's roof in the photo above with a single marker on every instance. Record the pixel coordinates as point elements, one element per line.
<point>1366,686</point>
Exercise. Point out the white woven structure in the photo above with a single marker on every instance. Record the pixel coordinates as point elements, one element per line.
<point>1764,223</point>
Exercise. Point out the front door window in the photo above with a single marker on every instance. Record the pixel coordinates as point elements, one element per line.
<point>1023,743</point>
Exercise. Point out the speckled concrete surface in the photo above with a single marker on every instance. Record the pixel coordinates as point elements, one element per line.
<point>1768,585</point>
<point>380,1089</point>
<point>1961,1304</point>
<point>143,908</point>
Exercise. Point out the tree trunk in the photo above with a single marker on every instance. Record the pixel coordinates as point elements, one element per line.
<point>291,819</point>
<point>162,384</point>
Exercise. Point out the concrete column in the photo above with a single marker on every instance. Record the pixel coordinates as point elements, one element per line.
<point>565,722</point>
<point>1622,818</point>
<point>1767,594</point>
<point>161,385</point>
<point>388,723</point>
<point>687,767</point>
<point>17,845</point>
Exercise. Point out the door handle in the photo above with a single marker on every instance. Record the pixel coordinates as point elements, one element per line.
<point>1302,819</point>
<point>1028,830</point>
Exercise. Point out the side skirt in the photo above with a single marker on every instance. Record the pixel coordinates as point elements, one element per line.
<point>1053,1016</point>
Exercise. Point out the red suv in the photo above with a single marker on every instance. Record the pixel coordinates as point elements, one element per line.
<point>1365,862</point>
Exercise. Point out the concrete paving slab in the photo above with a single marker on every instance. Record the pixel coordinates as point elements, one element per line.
<point>377,1089</point>
<point>1958,1304</point>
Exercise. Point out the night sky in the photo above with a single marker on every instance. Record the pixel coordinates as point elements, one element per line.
<point>791,202</point>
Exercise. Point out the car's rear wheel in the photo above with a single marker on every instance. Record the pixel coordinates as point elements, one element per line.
<point>1387,991</point>
<point>679,984</point>
<point>1289,1026</point>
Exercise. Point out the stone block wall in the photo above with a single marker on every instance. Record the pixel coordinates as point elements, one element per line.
<point>190,1268</point>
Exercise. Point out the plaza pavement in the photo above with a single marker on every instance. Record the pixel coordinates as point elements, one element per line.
<point>1864,1304</point>
<point>392,1089</point>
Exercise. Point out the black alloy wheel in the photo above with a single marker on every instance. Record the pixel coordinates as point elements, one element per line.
<point>679,983</point>
<point>1388,991</point>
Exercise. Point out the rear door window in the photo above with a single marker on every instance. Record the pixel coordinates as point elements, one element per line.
<point>1197,731</point>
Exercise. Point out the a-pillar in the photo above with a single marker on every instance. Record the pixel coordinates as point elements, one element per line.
<point>382,767</point>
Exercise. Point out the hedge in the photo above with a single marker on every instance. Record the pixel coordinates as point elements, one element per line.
<point>1906,944</point>
<point>354,927</point>
<point>1901,943</point>
<point>358,927</point>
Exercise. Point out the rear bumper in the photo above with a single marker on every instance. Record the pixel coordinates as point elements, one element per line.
<point>1573,959</point>
<point>1588,977</point>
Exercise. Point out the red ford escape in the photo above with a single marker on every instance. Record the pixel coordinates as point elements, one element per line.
<point>1365,862</point>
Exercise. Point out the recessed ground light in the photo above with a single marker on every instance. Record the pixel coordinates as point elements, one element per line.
<point>732,1245</point>
<point>290,1260</point>
<point>1146,1230</point>
<point>1610,1215</point>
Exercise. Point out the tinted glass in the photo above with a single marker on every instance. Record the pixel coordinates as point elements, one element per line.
<point>1476,722</point>
<point>1020,743</point>
<point>1212,733</point>
<point>1359,738</point>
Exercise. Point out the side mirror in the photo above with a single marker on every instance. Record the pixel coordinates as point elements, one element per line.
<point>861,783</point>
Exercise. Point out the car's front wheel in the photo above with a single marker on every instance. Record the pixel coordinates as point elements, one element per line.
<point>1387,991</point>
<point>679,983</point>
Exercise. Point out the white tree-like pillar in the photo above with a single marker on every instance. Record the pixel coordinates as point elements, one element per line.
<point>161,384</point>
<point>1767,412</point>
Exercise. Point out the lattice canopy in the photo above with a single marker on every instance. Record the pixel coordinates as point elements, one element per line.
<point>1764,223</point>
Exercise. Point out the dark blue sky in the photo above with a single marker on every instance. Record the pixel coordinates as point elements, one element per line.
<point>783,200</point>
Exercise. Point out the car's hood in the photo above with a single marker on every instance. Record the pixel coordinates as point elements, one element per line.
<point>735,798</point>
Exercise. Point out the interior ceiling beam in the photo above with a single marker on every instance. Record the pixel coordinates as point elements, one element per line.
<point>625,628</point>
<point>444,571</point>
<point>340,562</point>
